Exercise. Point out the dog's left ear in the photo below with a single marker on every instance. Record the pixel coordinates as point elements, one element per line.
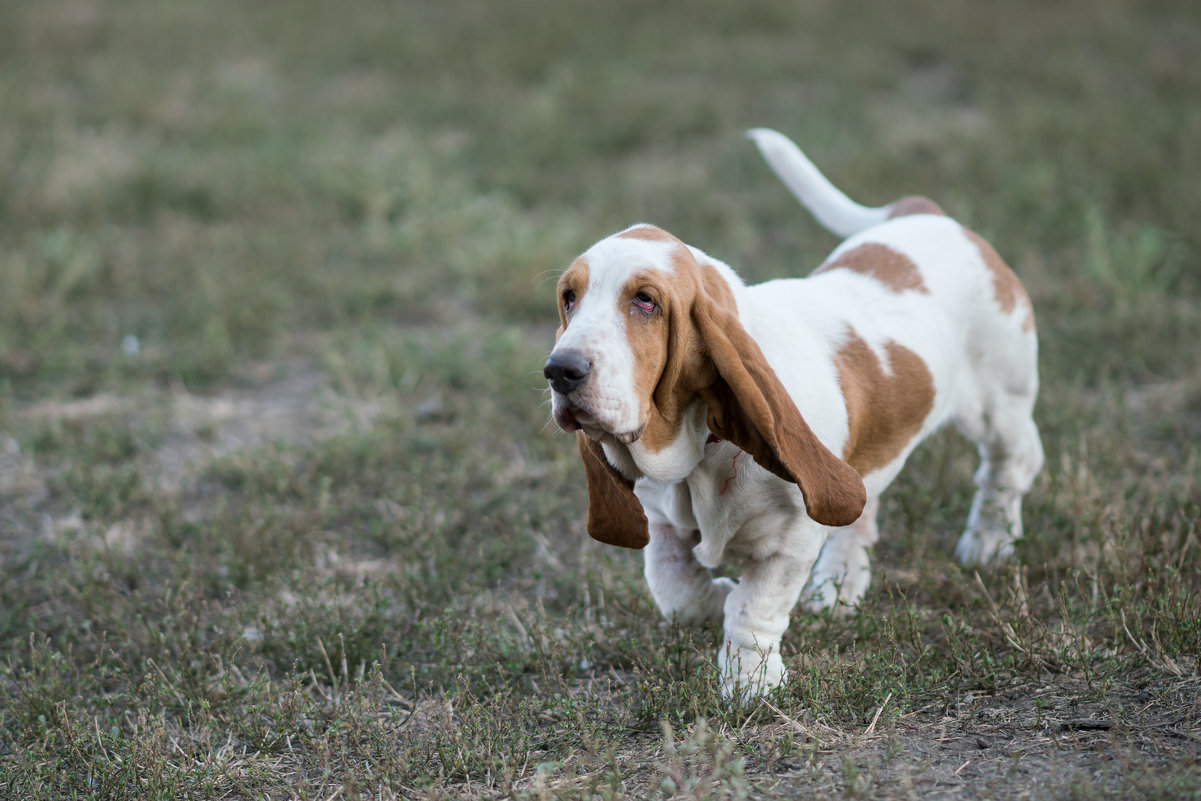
<point>750,407</point>
<point>615,516</point>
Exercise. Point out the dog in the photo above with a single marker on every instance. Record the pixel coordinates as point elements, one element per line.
<point>719,421</point>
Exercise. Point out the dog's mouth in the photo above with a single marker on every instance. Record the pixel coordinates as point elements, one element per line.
<point>567,419</point>
<point>571,417</point>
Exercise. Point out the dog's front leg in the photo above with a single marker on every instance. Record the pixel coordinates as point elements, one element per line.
<point>757,612</point>
<point>683,589</point>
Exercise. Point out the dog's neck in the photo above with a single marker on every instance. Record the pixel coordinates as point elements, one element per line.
<point>672,463</point>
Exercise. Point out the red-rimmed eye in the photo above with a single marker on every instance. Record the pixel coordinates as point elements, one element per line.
<point>645,302</point>
<point>568,301</point>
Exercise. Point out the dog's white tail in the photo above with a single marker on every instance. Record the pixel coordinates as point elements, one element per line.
<point>833,209</point>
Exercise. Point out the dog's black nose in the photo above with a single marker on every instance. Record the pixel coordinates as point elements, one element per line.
<point>566,370</point>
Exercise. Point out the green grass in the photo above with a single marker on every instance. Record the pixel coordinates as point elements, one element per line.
<point>280,512</point>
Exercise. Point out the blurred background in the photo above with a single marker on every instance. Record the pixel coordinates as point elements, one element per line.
<point>217,180</point>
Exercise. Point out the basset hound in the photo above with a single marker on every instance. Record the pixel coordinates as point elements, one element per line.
<point>759,424</point>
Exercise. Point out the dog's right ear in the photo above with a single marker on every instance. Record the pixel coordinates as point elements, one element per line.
<point>750,407</point>
<point>615,516</point>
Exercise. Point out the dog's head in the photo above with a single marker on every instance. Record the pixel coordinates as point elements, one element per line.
<point>646,326</point>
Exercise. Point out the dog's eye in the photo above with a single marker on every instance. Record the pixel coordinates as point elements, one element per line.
<point>568,301</point>
<point>645,302</point>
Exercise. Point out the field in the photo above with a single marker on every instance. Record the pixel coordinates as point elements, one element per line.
<point>281,513</point>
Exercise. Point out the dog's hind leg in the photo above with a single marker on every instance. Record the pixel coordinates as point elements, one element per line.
<point>1011,455</point>
<point>843,571</point>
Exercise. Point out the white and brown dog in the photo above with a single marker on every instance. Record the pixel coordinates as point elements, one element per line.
<point>761,423</point>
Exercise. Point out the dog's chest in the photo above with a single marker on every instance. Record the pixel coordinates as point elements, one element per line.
<point>712,499</point>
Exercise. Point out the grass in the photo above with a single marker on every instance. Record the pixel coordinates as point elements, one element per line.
<point>280,512</point>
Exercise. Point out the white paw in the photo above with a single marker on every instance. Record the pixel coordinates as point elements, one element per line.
<point>840,589</point>
<point>841,593</point>
<point>707,604</point>
<point>994,524</point>
<point>986,548</point>
<point>842,598</point>
<point>719,589</point>
<point>748,673</point>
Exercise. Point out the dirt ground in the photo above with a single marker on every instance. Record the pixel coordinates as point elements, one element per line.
<point>1010,746</point>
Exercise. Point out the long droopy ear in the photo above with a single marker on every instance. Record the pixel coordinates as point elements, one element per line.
<point>750,407</point>
<point>615,516</point>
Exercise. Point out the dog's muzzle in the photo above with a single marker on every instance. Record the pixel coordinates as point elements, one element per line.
<point>566,370</point>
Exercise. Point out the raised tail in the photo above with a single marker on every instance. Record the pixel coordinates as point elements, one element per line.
<point>833,209</point>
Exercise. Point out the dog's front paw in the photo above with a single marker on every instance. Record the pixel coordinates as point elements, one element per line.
<point>748,673</point>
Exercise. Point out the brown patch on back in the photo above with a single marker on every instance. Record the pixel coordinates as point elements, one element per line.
<point>893,269</point>
<point>914,204</point>
<point>1007,288</point>
<point>884,411</point>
